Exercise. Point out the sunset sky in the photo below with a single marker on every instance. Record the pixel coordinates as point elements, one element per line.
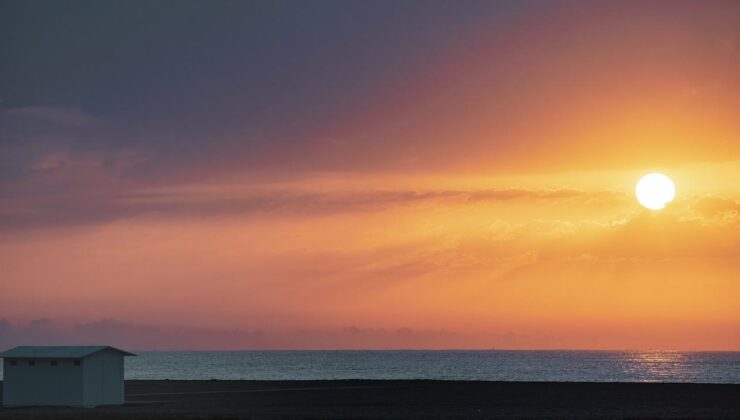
<point>369,174</point>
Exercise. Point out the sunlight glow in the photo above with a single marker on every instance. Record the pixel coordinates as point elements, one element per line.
<point>654,191</point>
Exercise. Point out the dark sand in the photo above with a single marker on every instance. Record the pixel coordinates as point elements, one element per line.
<point>407,400</point>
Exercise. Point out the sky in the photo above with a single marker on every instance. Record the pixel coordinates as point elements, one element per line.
<point>386,174</point>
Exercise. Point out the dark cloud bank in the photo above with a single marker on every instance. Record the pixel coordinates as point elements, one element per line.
<point>70,209</point>
<point>148,337</point>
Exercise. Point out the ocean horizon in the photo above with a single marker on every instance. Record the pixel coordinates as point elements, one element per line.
<point>472,365</point>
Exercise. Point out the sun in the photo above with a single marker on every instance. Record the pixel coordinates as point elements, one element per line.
<point>654,191</point>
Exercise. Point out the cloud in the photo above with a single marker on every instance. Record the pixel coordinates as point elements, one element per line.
<point>83,192</point>
<point>718,208</point>
<point>149,337</point>
<point>704,228</point>
<point>54,115</point>
<point>52,162</point>
<point>452,274</point>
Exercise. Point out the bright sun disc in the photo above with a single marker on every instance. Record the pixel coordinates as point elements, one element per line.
<point>654,191</point>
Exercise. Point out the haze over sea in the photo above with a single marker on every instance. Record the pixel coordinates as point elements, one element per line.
<point>492,365</point>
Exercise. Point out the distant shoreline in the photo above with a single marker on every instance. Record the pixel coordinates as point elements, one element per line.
<point>386,399</point>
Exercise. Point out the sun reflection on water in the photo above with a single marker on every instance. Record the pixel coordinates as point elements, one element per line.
<point>659,366</point>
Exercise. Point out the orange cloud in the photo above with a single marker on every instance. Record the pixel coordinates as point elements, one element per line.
<point>582,267</point>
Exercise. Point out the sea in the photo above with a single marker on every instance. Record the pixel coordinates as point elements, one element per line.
<point>484,365</point>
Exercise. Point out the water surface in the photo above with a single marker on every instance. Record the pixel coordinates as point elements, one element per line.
<point>495,365</point>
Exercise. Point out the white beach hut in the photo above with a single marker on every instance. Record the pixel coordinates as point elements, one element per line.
<point>85,376</point>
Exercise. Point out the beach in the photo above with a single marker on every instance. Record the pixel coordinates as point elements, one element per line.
<point>406,399</point>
